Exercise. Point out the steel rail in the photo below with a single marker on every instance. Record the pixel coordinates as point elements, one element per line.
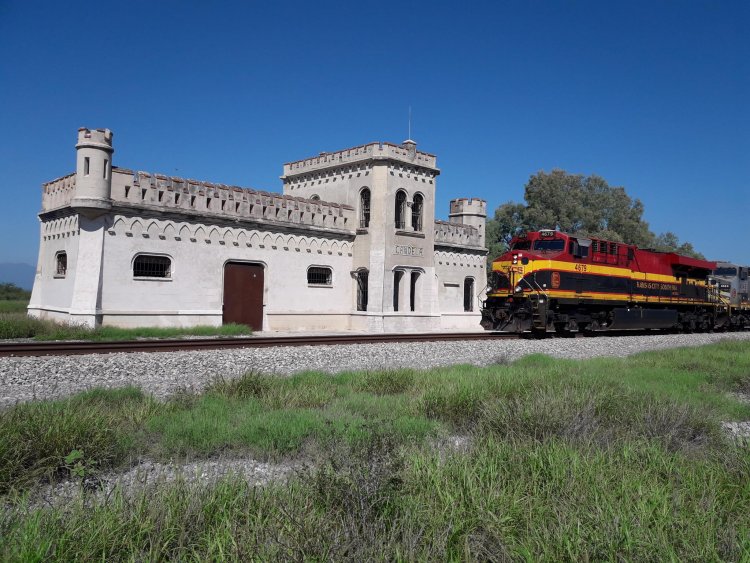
<point>66,348</point>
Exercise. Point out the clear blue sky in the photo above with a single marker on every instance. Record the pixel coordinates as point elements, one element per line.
<point>653,96</point>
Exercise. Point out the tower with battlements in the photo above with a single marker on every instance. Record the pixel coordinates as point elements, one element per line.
<point>471,212</point>
<point>93,191</point>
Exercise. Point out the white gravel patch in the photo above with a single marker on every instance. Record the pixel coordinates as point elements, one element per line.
<point>148,475</point>
<point>165,373</point>
<point>740,431</point>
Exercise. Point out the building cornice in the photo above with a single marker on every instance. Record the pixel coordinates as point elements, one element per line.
<point>454,246</point>
<point>155,212</point>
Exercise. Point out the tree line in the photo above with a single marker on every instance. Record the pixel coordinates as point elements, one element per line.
<point>581,205</point>
<point>11,292</point>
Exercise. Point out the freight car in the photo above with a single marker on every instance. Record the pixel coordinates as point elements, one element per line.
<point>549,281</point>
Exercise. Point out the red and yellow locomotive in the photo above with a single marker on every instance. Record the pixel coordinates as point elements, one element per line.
<point>550,281</point>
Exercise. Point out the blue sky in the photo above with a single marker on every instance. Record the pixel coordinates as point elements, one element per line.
<point>653,96</point>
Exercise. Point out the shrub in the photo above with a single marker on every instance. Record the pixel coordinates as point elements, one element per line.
<point>249,385</point>
<point>457,404</point>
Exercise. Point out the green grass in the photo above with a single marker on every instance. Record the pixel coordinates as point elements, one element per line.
<point>36,437</point>
<point>19,325</point>
<point>14,305</point>
<point>603,459</point>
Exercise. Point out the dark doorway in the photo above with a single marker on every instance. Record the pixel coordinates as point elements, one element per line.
<point>413,291</point>
<point>243,294</point>
<point>362,279</point>
<point>397,275</point>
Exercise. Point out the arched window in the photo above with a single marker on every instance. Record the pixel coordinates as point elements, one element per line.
<point>364,208</point>
<point>151,266</point>
<point>315,197</point>
<point>319,275</point>
<point>400,209</point>
<point>61,264</point>
<point>469,294</point>
<point>416,212</point>
<point>413,291</point>
<point>362,276</point>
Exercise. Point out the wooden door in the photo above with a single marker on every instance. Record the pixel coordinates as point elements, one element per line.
<point>243,294</point>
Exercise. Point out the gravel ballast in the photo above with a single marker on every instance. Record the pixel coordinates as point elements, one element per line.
<point>165,373</point>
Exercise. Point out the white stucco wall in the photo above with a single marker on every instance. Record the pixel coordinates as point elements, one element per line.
<point>52,294</point>
<point>453,267</point>
<point>194,293</point>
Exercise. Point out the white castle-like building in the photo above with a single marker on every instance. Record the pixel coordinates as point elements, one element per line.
<point>350,244</point>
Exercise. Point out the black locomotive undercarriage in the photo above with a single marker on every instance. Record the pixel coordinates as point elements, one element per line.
<point>537,314</point>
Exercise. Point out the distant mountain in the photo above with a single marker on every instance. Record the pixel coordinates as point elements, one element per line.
<point>20,274</point>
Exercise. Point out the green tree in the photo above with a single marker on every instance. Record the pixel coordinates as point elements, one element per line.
<point>669,242</point>
<point>577,204</point>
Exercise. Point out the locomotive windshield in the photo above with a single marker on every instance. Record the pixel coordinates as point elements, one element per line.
<point>521,245</point>
<point>725,271</point>
<point>554,245</point>
<point>499,281</point>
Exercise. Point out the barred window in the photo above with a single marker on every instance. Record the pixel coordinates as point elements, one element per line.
<point>61,264</point>
<point>317,275</point>
<point>150,266</point>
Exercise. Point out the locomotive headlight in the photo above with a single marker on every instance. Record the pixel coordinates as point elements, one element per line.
<point>518,289</point>
<point>515,258</point>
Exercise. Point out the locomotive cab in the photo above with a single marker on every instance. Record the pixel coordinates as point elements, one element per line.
<point>515,287</point>
<point>513,271</point>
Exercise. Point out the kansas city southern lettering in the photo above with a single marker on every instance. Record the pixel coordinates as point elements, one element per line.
<point>405,250</point>
<point>655,285</point>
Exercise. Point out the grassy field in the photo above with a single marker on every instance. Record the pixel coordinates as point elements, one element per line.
<point>19,325</point>
<point>601,459</point>
<point>13,305</point>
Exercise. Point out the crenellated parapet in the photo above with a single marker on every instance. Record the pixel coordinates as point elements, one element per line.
<point>466,206</point>
<point>58,193</point>
<point>195,197</point>
<point>406,153</point>
<point>456,234</point>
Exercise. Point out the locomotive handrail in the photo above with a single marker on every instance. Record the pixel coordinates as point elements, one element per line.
<point>478,295</point>
<point>539,289</point>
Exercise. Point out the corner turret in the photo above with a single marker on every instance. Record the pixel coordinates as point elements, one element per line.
<point>472,211</point>
<point>93,172</point>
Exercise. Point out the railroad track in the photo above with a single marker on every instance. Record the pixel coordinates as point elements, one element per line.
<point>175,345</point>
